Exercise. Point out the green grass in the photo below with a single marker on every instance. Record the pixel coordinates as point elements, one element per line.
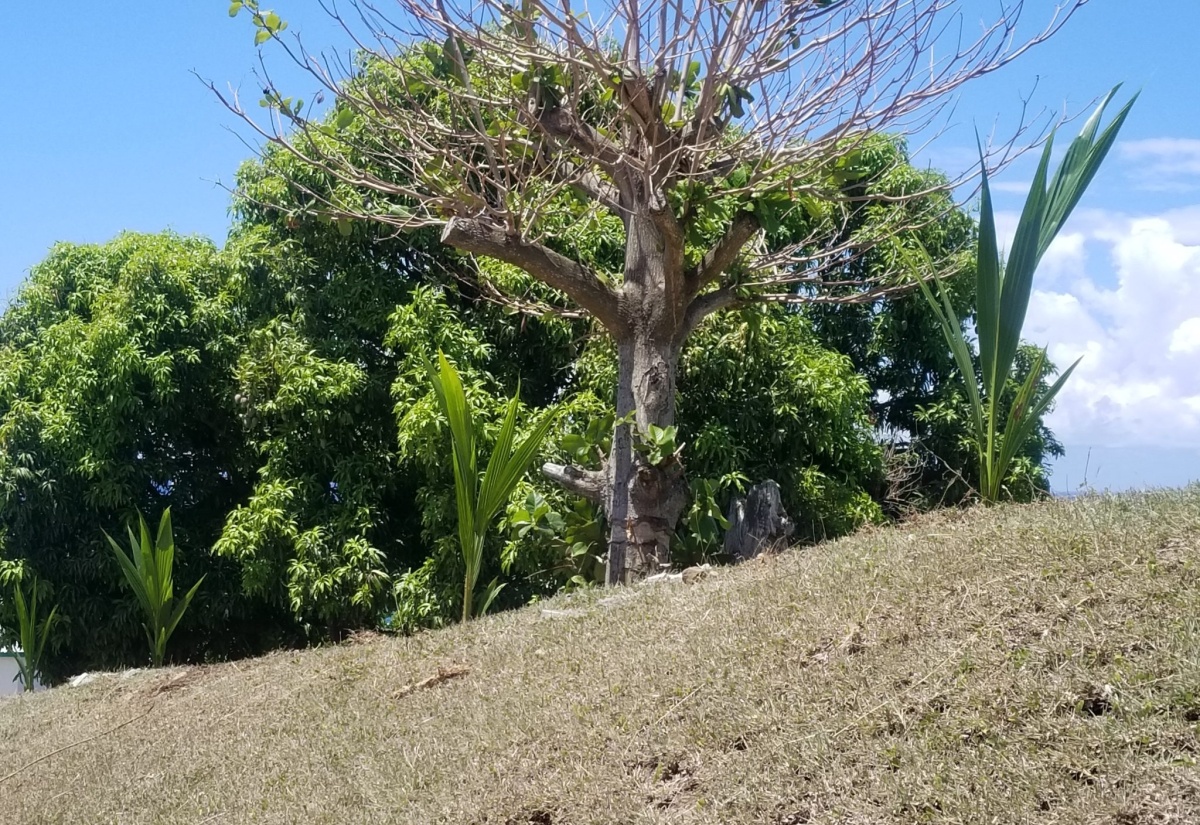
<point>1012,664</point>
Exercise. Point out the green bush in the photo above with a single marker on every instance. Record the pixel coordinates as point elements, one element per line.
<point>759,397</point>
<point>116,394</point>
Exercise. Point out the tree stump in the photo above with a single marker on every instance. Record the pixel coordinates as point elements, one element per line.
<point>758,523</point>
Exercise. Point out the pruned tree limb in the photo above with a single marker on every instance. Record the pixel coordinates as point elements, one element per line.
<point>562,124</point>
<point>590,484</point>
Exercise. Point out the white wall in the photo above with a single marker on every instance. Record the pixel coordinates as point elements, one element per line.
<point>8,675</point>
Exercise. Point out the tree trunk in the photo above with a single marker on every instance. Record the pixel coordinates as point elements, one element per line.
<point>646,500</point>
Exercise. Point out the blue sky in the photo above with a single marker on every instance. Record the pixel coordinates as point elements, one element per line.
<point>107,129</point>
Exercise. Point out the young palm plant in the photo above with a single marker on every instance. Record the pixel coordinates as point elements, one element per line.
<point>1003,290</point>
<point>480,498</point>
<point>148,569</point>
<point>33,634</point>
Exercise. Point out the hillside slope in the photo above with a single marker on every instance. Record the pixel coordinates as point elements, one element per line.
<point>1019,664</point>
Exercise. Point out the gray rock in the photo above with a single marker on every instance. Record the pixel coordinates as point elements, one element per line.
<point>758,523</point>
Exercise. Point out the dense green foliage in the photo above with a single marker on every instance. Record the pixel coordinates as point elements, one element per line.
<point>760,398</point>
<point>274,394</point>
<point>285,445</point>
<point>33,633</point>
<point>897,343</point>
<point>326,512</point>
<point>116,395</point>
<point>342,317</point>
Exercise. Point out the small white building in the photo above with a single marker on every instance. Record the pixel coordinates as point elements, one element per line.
<point>10,673</point>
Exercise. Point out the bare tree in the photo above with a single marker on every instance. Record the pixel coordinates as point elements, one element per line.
<point>479,117</point>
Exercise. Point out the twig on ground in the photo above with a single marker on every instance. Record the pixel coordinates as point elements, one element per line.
<point>444,674</point>
<point>46,756</point>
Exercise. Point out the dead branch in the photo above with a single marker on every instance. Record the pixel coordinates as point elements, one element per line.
<point>444,674</point>
<point>590,484</point>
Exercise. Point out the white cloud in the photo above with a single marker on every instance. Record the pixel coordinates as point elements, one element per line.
<point>1014,187</point>
<point>1123,292</point>
<point>1065,258</point>
<point>1185,224</point>
<point>1178,155</point>
<point>1163,164</point>
<point>1186,338</point>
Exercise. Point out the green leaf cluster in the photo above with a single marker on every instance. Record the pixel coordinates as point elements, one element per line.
<point>657,444</point>
<point>33,633</point>
<point>1003,289</point>
<point>267,24</point>
<point>149,570</point>
<point>116,394</point>
<point>762,398</point>
<point>480,498</point>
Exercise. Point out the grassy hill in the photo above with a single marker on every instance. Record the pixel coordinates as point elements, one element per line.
<point>1019,664</point>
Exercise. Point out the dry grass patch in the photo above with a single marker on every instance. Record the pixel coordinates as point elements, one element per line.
<point>1019,664</point>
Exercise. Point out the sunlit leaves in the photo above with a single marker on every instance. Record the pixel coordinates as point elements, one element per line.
<point>267,24</point>
<point>734,98</point>
<point>114,364</point>
<point>761,398</point>
<point>33,632</point>
<point>149,569</point>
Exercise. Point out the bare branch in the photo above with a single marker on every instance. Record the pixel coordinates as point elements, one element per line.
<point>601,191</point>
<point>523,305</point>
<point>480,116</point>
<point>562,124</point>
<point>820,290</point>
<point>543,263</point>
<point>721,257</point>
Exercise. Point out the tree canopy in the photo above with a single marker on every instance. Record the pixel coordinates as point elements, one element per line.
<point>723,143</point>
<point>115,395</point>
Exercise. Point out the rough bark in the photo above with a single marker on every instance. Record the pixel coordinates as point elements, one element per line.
<point>758,523</point>
<point>548,266</point>
<point>647,500</point>
<point>594,485</point>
